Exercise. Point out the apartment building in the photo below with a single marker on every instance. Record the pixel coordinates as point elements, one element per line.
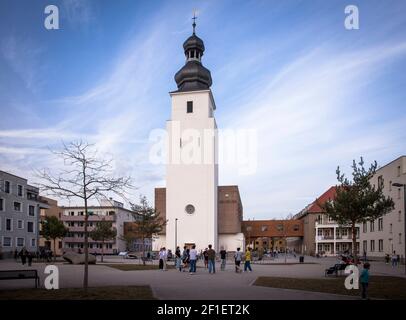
<point>109,210</point>
<point>387,234</point>
<point>322,235</point>
<point>20,205</point>
<point>274,234</point>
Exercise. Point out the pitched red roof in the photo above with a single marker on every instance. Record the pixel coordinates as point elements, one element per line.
<point>326,196</point>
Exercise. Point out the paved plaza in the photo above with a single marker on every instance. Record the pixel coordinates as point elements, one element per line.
<point>175,285</point>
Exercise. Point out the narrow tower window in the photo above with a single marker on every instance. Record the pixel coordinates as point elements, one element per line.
<point>190,107</point>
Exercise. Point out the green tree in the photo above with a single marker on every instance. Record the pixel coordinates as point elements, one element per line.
<point>103,232</point>
<point>52,228</point>
<point>148,222</point>
<point>357,200</point>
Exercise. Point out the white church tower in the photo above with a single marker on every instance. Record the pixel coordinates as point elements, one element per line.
<point>192,171</point>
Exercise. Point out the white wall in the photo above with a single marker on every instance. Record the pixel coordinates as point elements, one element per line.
<point>230,242</point>
<point>192,183</point>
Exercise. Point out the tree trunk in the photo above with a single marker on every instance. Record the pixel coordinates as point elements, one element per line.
<point>102,251</point>
<point>354,243</point>
<point>143,250</point>
<point>86,272</point>
<point>54,250</point>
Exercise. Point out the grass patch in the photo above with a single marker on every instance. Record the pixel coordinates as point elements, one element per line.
<point>95,293</point>
<point>135,267</point>
<point>380,287</point>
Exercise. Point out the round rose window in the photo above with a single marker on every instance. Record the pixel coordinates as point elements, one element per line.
<point>190,209</point>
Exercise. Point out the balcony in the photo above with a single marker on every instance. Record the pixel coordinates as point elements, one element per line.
<point>80,229</point>
<point>82,240</point>
<point>322,238</point>
<point>90,218</point>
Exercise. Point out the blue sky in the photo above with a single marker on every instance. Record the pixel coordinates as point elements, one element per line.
<point>317,94</point>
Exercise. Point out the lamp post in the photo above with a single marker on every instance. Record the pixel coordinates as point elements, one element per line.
<point>400,185</point>
<point>176,233</point>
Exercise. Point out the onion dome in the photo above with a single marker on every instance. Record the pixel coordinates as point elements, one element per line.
<point>193,75</point>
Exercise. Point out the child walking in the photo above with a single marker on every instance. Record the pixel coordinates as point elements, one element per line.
<point>364,279</point>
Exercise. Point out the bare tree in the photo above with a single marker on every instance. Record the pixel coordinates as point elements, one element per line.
<point>86,177</point>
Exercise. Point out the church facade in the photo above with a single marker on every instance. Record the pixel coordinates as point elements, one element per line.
<point>192,201</point>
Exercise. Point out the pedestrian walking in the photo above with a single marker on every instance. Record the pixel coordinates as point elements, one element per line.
<point>206,258</point>
<point>193,258</point>
<point>247,264</point>
<point>161,262</point>
<point>237,260</point>
<point>178,258</point>
<point>223,257</point>
<point>211,256</point>
<point>23,255</point>
<point>164,258</point>
<point>394,259</point>
<point>364,280</point>
<point>29,258</point>
<point>185,258</point>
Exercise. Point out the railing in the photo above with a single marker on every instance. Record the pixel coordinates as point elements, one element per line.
<point>82,240</point>
<point>90,218</point>
<point>319,238</point>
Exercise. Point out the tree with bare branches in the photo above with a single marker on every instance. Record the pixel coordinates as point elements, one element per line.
<point>86,177</point>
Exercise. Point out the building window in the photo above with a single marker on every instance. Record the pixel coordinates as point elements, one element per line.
<point>390,185</point>
<point>390,228</point>
<point>400,216</point>
<point>380,245</point>
<point>380,224</point>
<point>280,227</point>
<point>364,245</point>
<point>7,242</point>
<point>20,242</point>
<point>400,238</point>
<point>17,206</point>
<point>372,226</point>
<point>372,245</point>
<point>30,226</point>
<point>296,227</point>
<point>7,186</point>
<point>60,244</point>
<point>2,204</point>
<point>20,190</point>
<point>20,224</point>
<point>364,227</point>
<point>33,242</point>
<point>398,171</point>
<point>189,107</point>
<point>31,210</point>
<point>9,224</point>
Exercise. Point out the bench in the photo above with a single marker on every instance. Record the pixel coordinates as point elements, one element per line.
<point>20,274</point>
<point>145,259</point>
<point>339,267</point>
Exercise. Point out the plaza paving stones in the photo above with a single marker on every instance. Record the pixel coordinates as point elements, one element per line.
<point>175,285</point>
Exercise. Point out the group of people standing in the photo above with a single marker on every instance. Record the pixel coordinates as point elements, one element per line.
<point>27,256</point>
<point>186,260</point>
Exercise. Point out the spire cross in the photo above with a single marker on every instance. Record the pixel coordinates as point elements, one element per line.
<point>194,22</point>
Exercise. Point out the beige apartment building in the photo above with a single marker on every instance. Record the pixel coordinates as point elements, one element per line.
<point>387,234</point>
